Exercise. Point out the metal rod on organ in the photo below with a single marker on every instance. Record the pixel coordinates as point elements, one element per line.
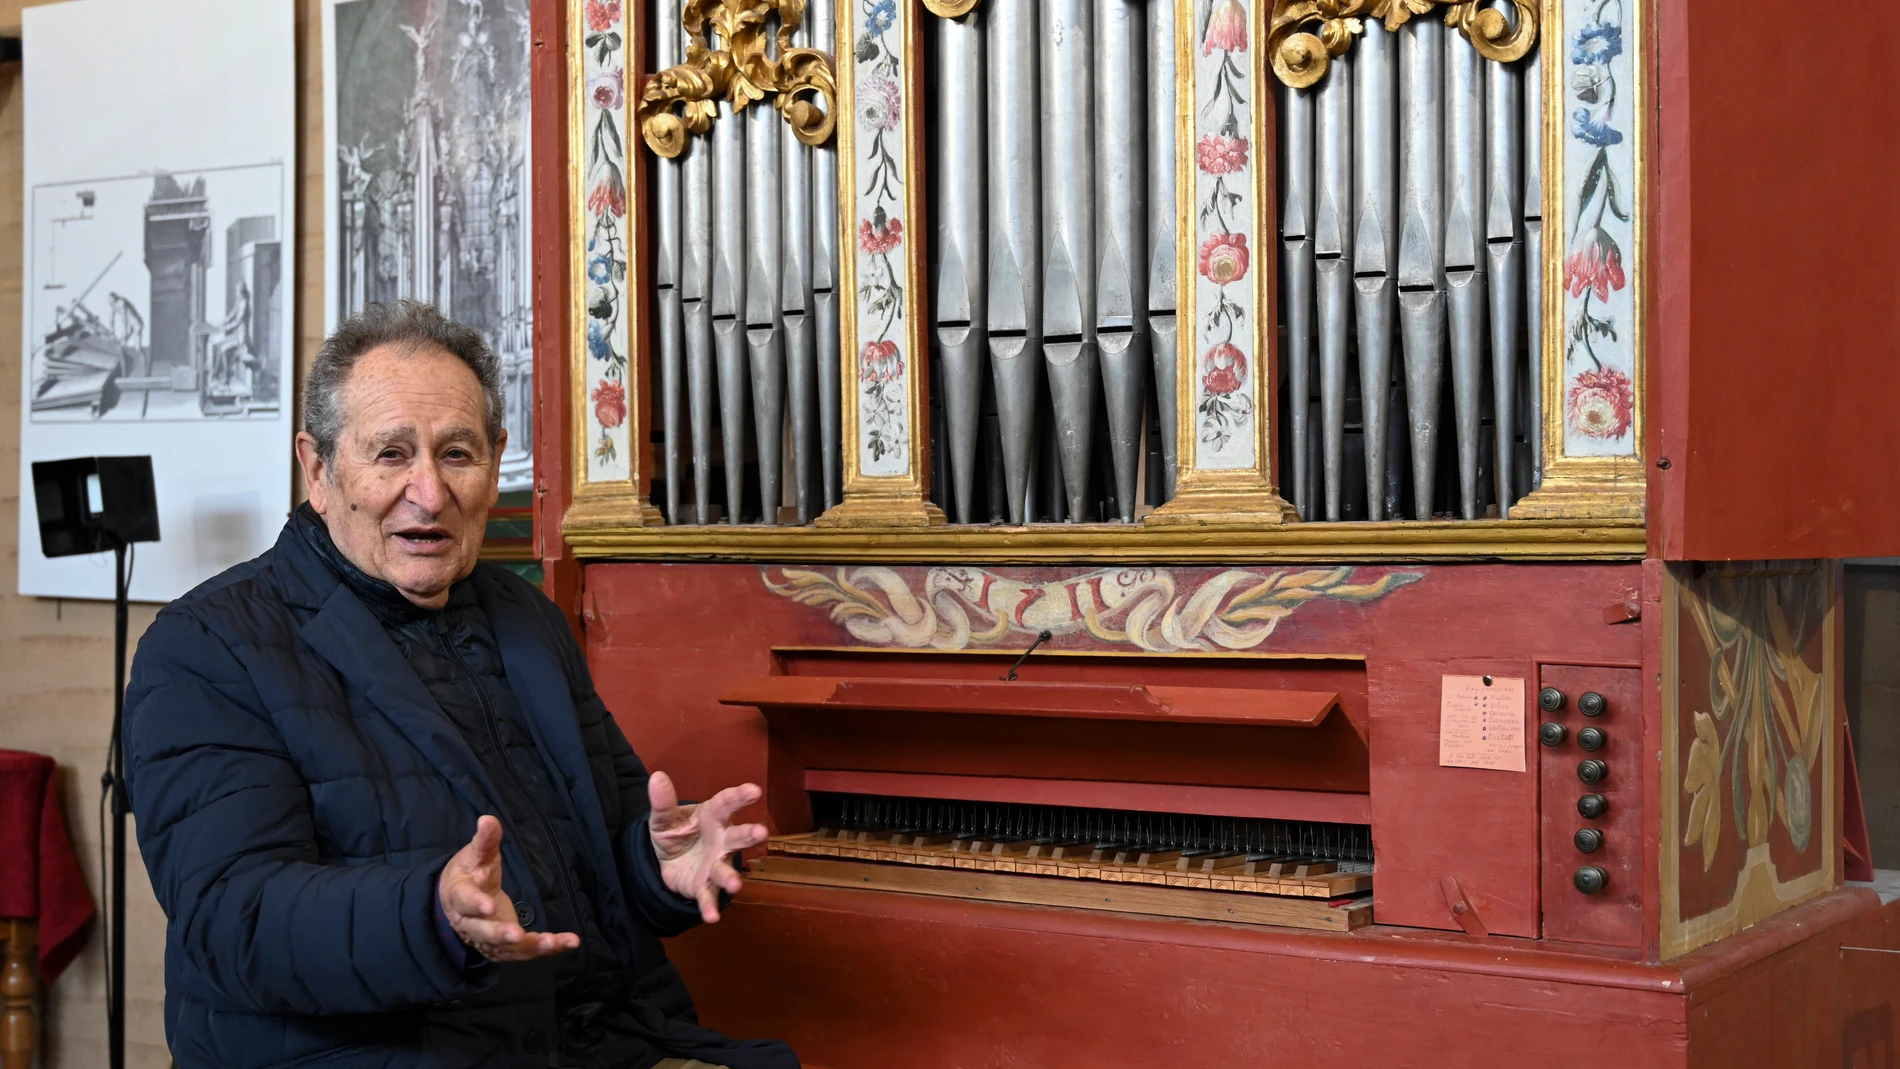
<point>696,283</point>
<point>1533,114</point>
<point>795,301</point>
<point>666,273</point>
<point>959,306</point>
<point>1068,240</point>
<point>729,296</point>
<point>1161,227</point>
<point>1015,237</point>
<point>1332,244</point>
<point>1296,260</point>
<point>1375,248</point>
<point>1503,129</point>
<point>764,336</point>
<point>1465,253</point>
<point>1121,296</point>
<point>1421,242</point>
<point>821,22</point>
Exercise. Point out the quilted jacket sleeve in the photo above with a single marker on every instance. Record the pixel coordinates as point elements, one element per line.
<point>225,825</point>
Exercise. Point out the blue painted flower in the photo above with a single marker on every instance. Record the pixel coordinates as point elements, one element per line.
<point>600,270</point>
<point>883,14</point>
<point>598,346</point>
<point>1597,43</point>
<point>1585,128</point>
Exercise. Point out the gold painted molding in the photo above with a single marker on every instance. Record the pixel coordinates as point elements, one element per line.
<point>950,9</point>
<point>741,72</point>
<point>1300,56</point>
<point>1119,543</point>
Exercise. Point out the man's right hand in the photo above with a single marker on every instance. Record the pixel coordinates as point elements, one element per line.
<point>481,913</point>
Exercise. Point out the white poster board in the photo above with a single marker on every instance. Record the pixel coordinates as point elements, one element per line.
<point>159,279</point>
<point>427,195</point>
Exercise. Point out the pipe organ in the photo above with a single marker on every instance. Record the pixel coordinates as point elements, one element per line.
<point>1237,525</point>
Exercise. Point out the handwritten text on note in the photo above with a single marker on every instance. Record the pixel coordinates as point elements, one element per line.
<point>1481,722</point>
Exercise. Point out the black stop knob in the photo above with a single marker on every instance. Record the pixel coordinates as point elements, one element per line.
<point>1550,699</point>
<point>1592,771</point>
<point>1593,805</point>
<point>1592,738</point>
<point>1590,703</point>
<point>1588,839</point>
<point>1552,733</point>
<point>1591,878</point>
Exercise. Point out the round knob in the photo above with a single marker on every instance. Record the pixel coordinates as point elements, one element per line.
<point>1590,703</point>
<point>1592,771</point>
<point>1592,738</point>
<point>1591,878</point>
<point>1587,839</point>
<point>1552,733</point>
<point>1593,805</point>
<point>1550,699</point>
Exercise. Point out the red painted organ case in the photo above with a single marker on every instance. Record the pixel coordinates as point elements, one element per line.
<point>1237,530</point>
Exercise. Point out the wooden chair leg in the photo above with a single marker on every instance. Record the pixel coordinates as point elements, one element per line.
<point>19,989</point>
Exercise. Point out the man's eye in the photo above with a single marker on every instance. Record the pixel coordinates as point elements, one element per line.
<point>459,454</point>
<point>389,454</point>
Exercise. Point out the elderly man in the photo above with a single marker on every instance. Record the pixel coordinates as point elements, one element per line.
<point>389,820</point>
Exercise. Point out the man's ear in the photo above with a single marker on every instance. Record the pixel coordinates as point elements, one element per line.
<point>316,473</point>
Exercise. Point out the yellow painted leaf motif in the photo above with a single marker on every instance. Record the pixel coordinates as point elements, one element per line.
<point>1700,773</point>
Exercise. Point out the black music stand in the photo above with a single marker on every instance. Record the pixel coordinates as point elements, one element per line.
<point>90,505</point>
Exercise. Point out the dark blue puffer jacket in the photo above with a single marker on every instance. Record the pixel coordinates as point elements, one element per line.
<point>298,791</point>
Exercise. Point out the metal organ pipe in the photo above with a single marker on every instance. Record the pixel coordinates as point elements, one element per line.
<point>668,264</point>
<point>696,284</point>
<point>1296,259</point>
<point>960,308</point>
<point>1504,161</point>
<point>1162,283</point>
<point>1121,294</point>
<point>764,287</point>
<point>1015,237</point>
<point>798,328</point>
<point>821,23</point>
<point>1068,239</point>
<point>1465,115</point>
<point>1421,242</point>
<point>729,295</point>
<point>1332,246</point>
<point>1375,242</point>
<point>1533,207</point>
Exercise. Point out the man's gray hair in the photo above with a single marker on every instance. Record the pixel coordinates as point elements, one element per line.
<point>412,325</point>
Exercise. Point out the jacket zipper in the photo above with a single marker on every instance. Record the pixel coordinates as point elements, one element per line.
<point>501,752</point>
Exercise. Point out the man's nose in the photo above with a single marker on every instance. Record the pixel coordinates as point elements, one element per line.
<point>427,490</point>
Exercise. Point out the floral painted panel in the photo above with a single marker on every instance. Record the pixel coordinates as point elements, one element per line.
<point>1600,264</point>
<point>1227,312</point>
<point>1160,610</point>
<point>1750,744</point>
<point>881,144</point>
<point>603,222</point>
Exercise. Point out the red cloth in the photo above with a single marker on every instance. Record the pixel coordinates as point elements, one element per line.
<point>40,878</point>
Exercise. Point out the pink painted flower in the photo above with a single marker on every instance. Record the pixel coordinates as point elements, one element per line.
<point>603,15</point>
<point>1596,265</point>
<point>1221,155</point>
<point>1601,404</point>
<point>606,89</point>
<point>879,239</point>
<point>1224,258</point>
<point>1227,29</point>
<point>610,403</point>
<point>1223,369</point>
<point>609,195</point>
<point>879,104</point>
<point>880,363</point>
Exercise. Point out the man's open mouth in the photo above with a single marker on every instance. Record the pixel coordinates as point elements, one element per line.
<point>423,536</point>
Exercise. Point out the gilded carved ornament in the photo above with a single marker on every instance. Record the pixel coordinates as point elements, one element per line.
<point>1300,56</point>
<point>680,100</point>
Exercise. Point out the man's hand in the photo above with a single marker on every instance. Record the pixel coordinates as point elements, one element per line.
<point>694,841</point>
<point>481,913</point>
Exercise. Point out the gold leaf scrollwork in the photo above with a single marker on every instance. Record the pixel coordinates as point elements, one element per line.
<point>1300,56</point>
<point>950,9</point>
<point>681,101</point>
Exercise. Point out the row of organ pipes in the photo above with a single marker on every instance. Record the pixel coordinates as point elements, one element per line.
<point>1410,229</point>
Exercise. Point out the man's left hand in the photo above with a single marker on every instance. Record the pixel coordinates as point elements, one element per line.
<point>694,842</point>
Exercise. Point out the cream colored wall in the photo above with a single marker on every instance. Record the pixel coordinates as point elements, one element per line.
<point>56,657</point>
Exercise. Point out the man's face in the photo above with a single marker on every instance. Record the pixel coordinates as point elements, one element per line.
<point>407,496</point>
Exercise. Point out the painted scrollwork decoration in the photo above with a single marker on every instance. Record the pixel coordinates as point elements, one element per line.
<point>681,101</point>
<point>1300,56</point>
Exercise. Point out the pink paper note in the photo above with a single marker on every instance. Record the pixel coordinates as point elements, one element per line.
<point>1481,722</point>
